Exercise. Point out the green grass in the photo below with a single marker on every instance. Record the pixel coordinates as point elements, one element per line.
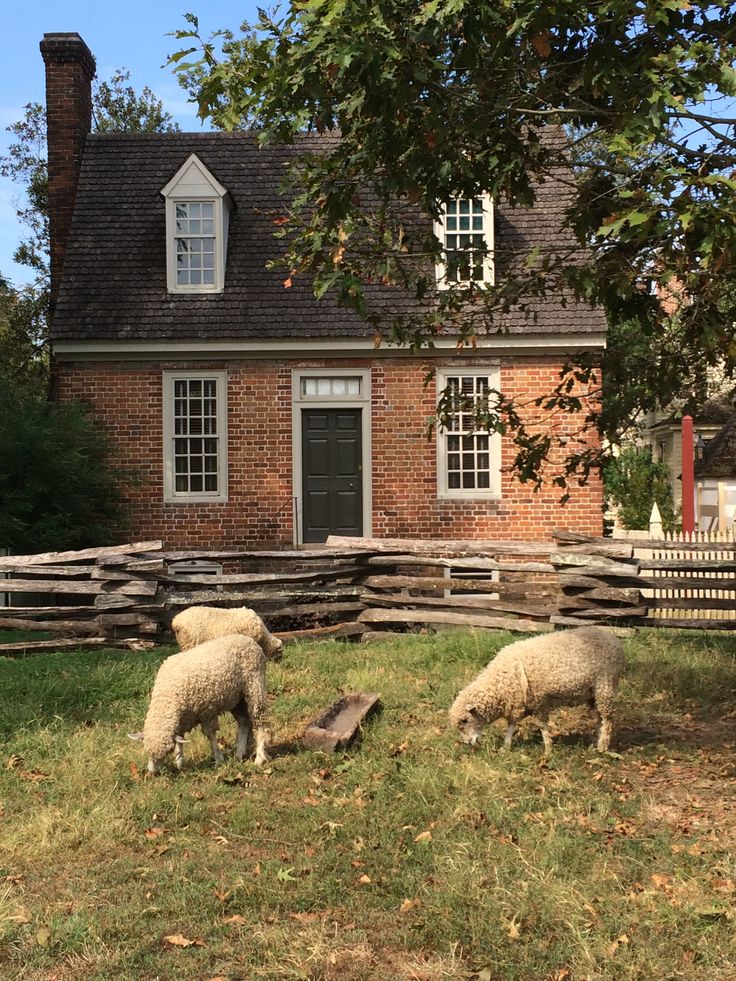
<point>406,857</point>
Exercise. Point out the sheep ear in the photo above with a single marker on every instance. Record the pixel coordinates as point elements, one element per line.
<point>136,736</point>
<point>471,710</point>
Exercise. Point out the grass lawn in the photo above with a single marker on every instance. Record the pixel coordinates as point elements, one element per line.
<point>407,857</point>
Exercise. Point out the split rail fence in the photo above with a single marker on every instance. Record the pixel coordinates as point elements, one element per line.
<point>126,595</point>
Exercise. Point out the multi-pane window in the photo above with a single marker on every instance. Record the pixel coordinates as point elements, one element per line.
<point>195,436</point>
<point>195,439</point>
<point>466,233</point>
<point>468,453</point>
<point>195,243</point>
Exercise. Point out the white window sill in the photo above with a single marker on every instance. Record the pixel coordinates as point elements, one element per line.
<point>488,497</point>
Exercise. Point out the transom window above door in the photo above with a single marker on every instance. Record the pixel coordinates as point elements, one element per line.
<point>330,386</point>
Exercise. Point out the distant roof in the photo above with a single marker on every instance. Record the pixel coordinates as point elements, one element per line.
<point>114,280</point>
<point>715,412</point>
<point>719,457</point>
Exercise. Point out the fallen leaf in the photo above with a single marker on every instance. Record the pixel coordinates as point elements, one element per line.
<point>424,836</point>
<point>513,929</point>
<point>307,917</point>
<point>661,881</point>
<point>618,942</point>
<point>43,937</point>
<point>407,905</point>
<point>14,762</point>
<point>153,832</point>
<point>365,880</point>
<point>236,919</point>
<point>34,775</point>
<point>135,775</point>
<point>485,974</point>
<point>177,940</point>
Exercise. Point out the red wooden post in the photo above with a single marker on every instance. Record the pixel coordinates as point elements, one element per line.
<point>688,476</point>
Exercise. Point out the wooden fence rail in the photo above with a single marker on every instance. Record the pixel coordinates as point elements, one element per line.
<point>128,594</point>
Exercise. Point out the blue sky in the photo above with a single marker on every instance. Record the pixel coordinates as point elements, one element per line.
<point>127,33</point>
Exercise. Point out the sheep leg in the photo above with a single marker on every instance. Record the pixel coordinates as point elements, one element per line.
<point>604,735</point>
<point>178,754</point>
<point>240,714</point>
<point>263,738</point>
<point>210,730</point>
<point>597,733</point>
<point>257,707</point>
<point>546,738</point>
<point>510,729</point>
<point>604,708</point>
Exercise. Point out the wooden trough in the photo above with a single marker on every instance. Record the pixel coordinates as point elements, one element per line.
<point>337,726</point>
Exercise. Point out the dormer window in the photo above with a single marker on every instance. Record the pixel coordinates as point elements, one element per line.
<point>465,230</point>
<point>197,213</point>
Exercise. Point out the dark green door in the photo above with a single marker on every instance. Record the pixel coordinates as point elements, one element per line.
<point>331,473</point>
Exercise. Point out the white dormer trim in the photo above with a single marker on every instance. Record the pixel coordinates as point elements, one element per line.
<point>193,184</point>
<point>443,228</point>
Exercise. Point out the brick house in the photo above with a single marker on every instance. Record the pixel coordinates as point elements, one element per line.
<point>257,415</point>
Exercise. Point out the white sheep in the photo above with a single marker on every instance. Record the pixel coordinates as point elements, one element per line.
<point>227,674</point>
<point>197,624</point>
<point>536,675</point>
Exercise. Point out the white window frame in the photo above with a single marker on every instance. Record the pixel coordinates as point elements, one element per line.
<point>444,491</point>
<point>440,231</point>
<point>301,401</point>
<point>171,495</point>
<point>194,184</point>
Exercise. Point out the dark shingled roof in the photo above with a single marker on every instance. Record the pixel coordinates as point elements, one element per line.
<point>114,280</point>
<point>719,458</point>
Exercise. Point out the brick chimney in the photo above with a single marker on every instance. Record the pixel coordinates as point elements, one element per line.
<point>70,68</point>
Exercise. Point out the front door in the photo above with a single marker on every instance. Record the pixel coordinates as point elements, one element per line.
<point>332,478</point>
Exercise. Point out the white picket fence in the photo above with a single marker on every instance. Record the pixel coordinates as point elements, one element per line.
<point>698,573</point>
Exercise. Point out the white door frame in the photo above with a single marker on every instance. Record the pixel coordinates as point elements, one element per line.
<point>330,400</point>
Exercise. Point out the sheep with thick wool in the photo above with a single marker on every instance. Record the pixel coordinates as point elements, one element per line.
<point>197,624</point>
<point>536,675</point>
<point>194,687</point>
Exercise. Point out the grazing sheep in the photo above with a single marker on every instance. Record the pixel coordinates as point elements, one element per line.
<point>197,624</point>
<point>533,676</point>
<point>194,687</point>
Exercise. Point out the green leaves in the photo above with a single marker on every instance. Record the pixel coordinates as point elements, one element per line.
<point>450,98</point>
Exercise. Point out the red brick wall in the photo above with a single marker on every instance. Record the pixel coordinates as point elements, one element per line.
<point>259,512</point>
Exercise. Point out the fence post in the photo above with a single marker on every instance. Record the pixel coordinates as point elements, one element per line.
<point>655,522</point>
<point>688,476</point>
